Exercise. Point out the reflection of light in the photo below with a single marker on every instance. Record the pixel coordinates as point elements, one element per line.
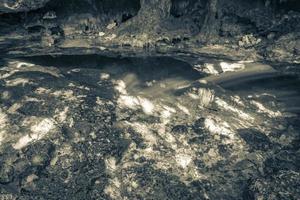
<point>183,160</point>
<point>25,140</point>
<point>246,61</point>
<point>2,137</point>
<point>193,96</point>
<point>221,103</point>
<point>16,66</point>
<point>14,108</point>
<point>17,81</point>
<point>145,132</point>
<point>206,96</point>
<point>111,164</point>
<point>217,127</point>
<point>21,64</point>
<point>207,68</point>
<point>131,101</point>
<point>3,122</point>
<point>43,127</point>
<point>121,87</point>
<point>263,109</point>
<point>3,119</point>
<point>147,106</point>
<point>226,67</point>
<point>15,6</point>
<point>128,101</point>
<point>39,131</point>
<point>237,100</point>
<point>166,113</point>
<point>183,109</point>
<point>104,76</point>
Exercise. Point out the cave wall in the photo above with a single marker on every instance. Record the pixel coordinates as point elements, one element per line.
<point>166,21</point>
<point>234,17</point>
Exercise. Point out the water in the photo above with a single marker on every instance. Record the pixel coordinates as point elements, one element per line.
<point>147,128</point>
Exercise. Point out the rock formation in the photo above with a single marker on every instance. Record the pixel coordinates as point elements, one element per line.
<point>154,25</point>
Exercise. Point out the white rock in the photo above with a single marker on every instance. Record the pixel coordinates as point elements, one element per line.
<point>228,67</point>
<point>183,160</point>
<point>101,34</point>
<point>146,105</point>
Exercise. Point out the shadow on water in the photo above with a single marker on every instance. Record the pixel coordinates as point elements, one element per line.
<point>285,88</point>
<point>145,68</point>
<point>164,74</point>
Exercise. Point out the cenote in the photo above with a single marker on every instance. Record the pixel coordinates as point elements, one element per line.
<point>95,127</point>
<point>149,100</point>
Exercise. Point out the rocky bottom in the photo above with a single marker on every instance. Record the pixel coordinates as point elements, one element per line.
<point>88,127</point>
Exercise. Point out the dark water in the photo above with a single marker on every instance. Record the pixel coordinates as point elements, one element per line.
<point>90,127</point>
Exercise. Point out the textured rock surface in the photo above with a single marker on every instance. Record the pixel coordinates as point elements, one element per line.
<point>90,127</point>
<point>135,123</point>
<point>250,29</point>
